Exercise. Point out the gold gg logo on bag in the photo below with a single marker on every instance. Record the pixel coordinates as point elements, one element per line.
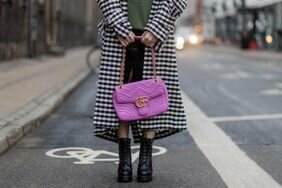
<point>141,101</point>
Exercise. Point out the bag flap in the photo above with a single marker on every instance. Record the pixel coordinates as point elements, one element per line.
<point>146,88</point>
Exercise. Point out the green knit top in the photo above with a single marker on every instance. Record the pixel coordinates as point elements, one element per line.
<point>138,12</point>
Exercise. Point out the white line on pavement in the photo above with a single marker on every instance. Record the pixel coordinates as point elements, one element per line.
<point>233,165</point>
<point>279,85</point>
<point>247,118</point>
<point>276,91</point>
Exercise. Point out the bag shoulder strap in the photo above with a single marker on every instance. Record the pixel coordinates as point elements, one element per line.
<point>122,65</point>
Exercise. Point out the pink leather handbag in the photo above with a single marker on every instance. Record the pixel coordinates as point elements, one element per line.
<point>141,99</point>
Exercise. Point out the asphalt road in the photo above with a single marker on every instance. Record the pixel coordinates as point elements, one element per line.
<point>241,96</point>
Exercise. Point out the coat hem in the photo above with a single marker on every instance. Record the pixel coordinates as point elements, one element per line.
<point>110,134</point>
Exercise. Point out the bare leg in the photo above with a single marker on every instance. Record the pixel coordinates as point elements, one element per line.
<point>149,133</point>
<point>123,128</point>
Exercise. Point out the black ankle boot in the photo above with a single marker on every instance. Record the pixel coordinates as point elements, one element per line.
<point>125,163</point>
<point>145,169</point>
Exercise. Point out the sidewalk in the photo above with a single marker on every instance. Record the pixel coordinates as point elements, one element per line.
<point>31,88</point>
<point>260,55</point>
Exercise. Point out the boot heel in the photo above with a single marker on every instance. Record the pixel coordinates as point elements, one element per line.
<point>124,179</point>
<point>125,164</point>
<point>141,178</point>
<point>145,167</point>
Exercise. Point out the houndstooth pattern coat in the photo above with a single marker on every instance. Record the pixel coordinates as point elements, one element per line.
<point>161,23</point>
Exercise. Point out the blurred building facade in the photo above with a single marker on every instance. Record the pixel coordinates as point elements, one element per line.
<point>226,20</point>
<point>33,27</point>
<point>192,17</point>
<point>189,14</point>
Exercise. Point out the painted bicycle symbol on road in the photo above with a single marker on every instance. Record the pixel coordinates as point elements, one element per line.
<point>90,156</point>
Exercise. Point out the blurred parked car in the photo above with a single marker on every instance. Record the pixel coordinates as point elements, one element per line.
<point>185,36</point>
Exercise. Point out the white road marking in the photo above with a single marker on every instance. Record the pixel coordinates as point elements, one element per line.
<point>89,156</point>
<point>245,75</point>
<point>279,85</point>
<point>246,118</point>
<point>213,66</point>
<point>268,76</point>
<point>237,75</point>
<point>275,91</point>
<point>229,76</point>
<point>233,165</point>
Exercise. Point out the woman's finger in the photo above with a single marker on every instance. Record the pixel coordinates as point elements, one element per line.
<point>131,37</point>
<point>146,39</point>
<point>127,39</point>
<point>123,42</point>
<point>150,39</point>
<point>153,40</point>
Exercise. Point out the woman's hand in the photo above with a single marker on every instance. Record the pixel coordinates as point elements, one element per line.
<point>126,41</point>
<point>149,39</point>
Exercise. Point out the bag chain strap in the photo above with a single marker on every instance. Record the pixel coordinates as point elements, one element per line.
<point>122,65</point>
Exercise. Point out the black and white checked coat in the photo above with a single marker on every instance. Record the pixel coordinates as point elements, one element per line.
<point>161,23</point>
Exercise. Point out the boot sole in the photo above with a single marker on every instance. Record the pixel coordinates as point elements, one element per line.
<point>124,179</point>
<point>144,178</point>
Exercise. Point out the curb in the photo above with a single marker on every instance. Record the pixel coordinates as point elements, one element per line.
<point>31,115</point>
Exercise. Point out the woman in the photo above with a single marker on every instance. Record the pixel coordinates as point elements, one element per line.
<point>123,20</point>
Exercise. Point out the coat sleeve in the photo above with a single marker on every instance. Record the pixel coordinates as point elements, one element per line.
<point>164,20</point>
<point>114,17</point>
